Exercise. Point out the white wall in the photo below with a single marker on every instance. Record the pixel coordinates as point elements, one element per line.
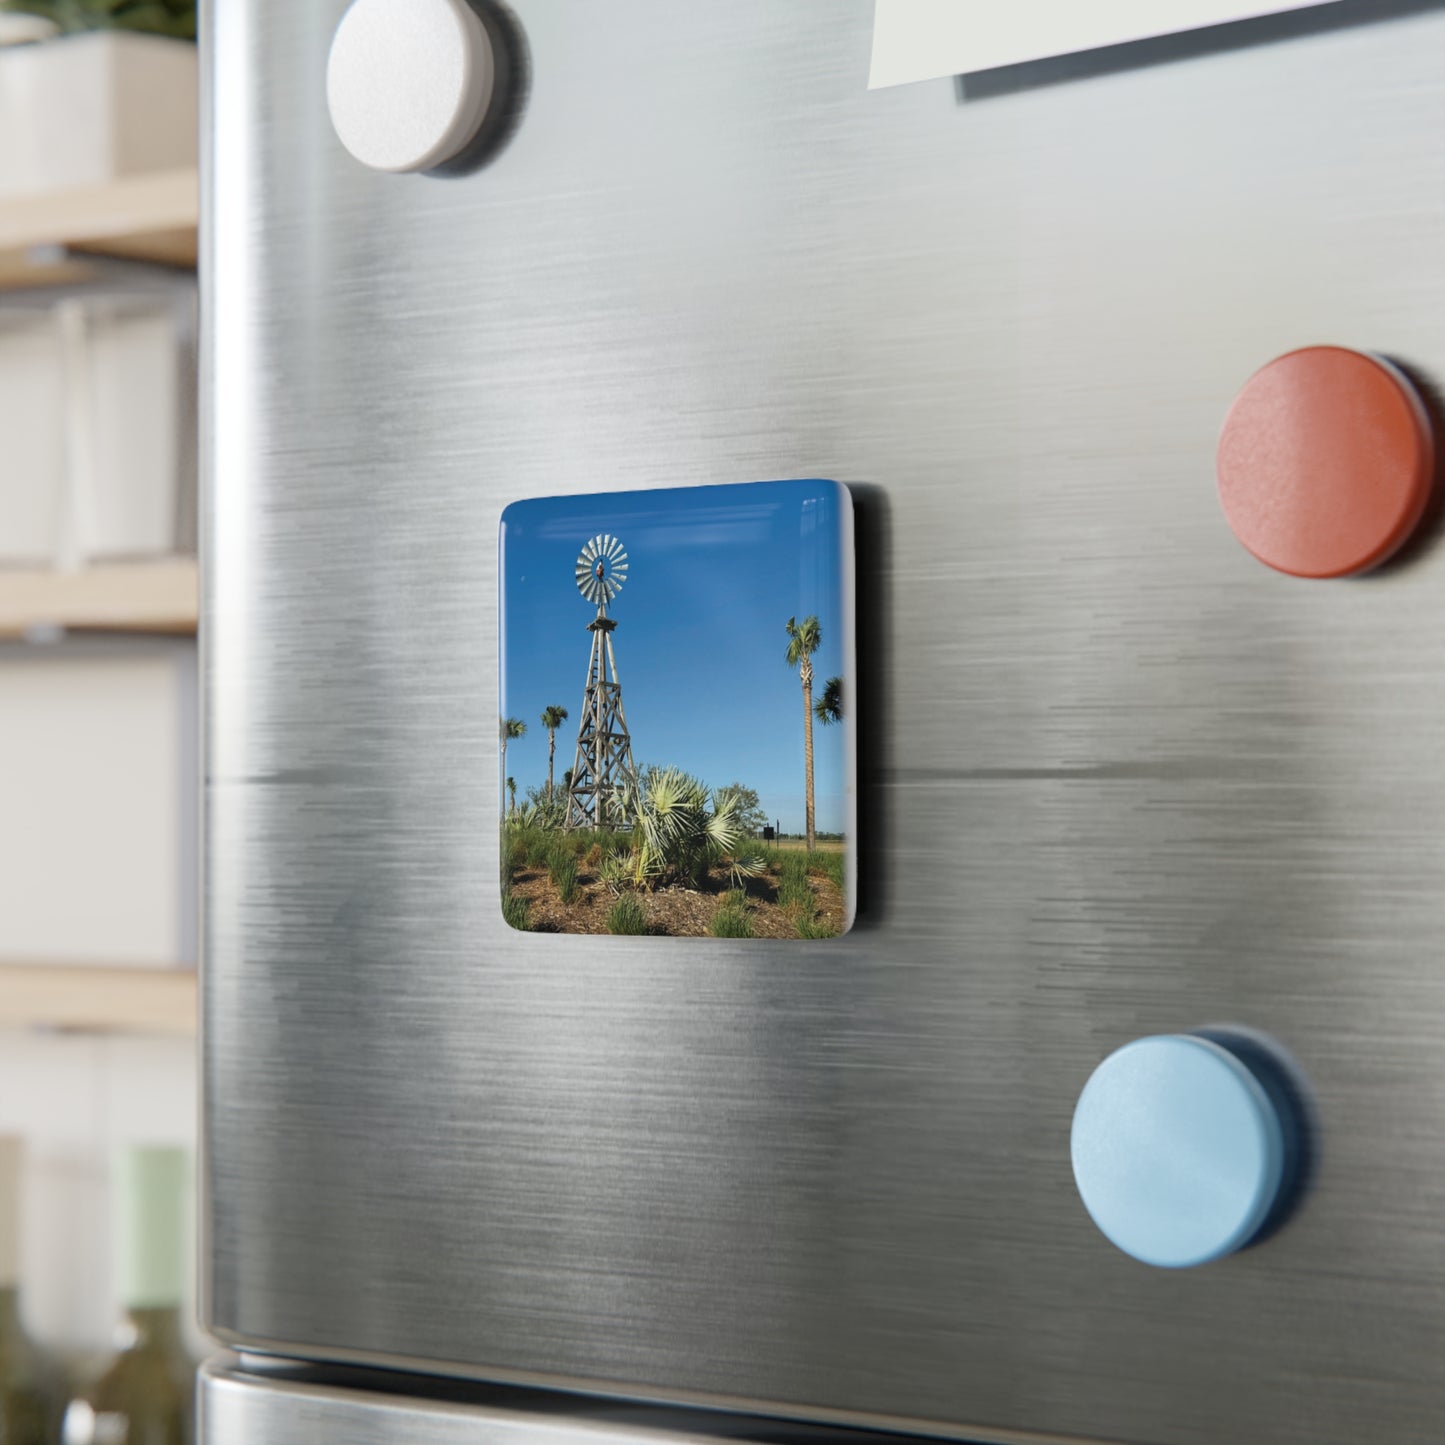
<point>76,1099</point>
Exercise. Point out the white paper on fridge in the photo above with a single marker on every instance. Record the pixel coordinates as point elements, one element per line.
<point>925,39</point>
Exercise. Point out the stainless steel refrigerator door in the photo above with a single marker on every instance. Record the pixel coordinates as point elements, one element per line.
<point>1118,778</point>
<point>237,1405</point>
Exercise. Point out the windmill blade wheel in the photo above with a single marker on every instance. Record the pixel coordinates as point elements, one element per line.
<point>601,569</point>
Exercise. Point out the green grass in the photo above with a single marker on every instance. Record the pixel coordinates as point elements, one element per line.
<point>604,838</point>
<point>829,863</point>
<point>815,928</point>
<point>795,898</point>
<point>730,920</point>
<point>795,894</point>
<point>627,916</point>
<point>515,910</point>
<point>535,847</point>
<point>562,869</point>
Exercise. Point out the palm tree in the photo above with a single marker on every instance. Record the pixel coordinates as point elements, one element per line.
<point>804,639</point>
<point>829,708</point>
<point>552,718</point>
<point>512,728</point>
<point>512,789</point>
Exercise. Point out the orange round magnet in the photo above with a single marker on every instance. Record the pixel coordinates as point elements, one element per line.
<point>1326,462</point>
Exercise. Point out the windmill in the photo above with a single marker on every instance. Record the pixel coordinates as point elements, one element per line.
<point>604,777</point>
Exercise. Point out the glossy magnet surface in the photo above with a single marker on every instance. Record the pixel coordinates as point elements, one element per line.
<point>1326,462</point>
<point>408,82</point>
<point>1178,1151</point>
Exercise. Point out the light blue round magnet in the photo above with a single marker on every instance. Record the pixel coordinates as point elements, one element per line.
<point>1178,1151</point>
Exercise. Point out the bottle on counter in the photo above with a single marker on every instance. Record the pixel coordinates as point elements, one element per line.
<point>146,1396</point>
<point>26,1395</point>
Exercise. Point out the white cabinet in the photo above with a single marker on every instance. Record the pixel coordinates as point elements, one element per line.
<point>85,109</point>
<point>32,437</point>
<point>98,827</point>
<point>133,418</point>
<point>97,429</point>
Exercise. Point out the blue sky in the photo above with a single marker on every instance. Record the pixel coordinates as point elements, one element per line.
<point>715,573</point>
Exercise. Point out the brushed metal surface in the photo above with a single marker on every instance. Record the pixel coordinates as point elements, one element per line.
<point>1131,781</point>
<point>240,1401</point>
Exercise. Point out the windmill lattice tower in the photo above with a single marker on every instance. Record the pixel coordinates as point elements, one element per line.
<point>604,777</point>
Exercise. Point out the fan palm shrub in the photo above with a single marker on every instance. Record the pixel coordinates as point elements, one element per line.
<point>682,829</point>
<point>615,870</point>
<point>546,810</point>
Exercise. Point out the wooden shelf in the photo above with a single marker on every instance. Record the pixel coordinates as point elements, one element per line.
<point>98,1000</point>
<point>123,597</point>
<point>44,239</point>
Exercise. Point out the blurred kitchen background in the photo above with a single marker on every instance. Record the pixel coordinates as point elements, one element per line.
<point>98,766</point>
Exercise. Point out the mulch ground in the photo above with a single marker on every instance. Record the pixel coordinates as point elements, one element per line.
<point>675,912</point>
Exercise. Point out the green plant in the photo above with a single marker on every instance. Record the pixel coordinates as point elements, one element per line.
<point>682,829</point>
<point>154,17</point>
<point>730,919</point>
<point>509,730</point>
<point>814,927</point>
<point>804,639</point>
<point>627,915</point>
<point>796,900</point>
<point>552,718</point>
<point>614,870</point>
<point>750,813</point>
<point>562,869</point>
<point>516,911</point>
<point>586,839</point>
<point>829,864</point>
<point>545,810</point>
<point>743,865</point>
<point>829,708</point>
<point>795,894</point>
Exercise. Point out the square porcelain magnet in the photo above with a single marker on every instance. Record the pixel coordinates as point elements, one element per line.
<point>676,726</point>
